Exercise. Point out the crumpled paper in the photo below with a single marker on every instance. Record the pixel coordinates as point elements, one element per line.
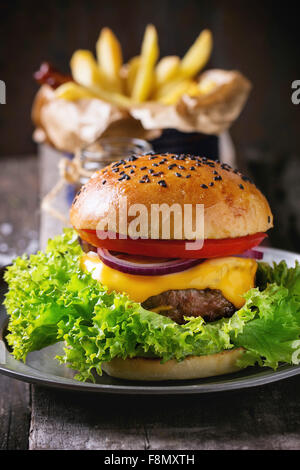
<point>69,125</point>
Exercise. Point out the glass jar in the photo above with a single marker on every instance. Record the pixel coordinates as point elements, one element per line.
<point>104,151</point>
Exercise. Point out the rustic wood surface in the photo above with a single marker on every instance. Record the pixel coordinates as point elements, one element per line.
<point>34,417</point>
<point>18,233</point>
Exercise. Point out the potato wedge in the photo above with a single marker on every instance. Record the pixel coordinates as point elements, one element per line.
<point>197,56</point>
<point>145,74</point>
<point>109,56</point>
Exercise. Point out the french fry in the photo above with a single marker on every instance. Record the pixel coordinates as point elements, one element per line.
<point>109,56</point>
<point>145,74</point>
<point>141,78</point>
<point>194,89</point>
<point>70,91</point>
<point>171,92</point>
<point>86,72</point>
<point>206,86</point>
<point>131,73</point>
<point>197,56</point>
<point>166,69</point>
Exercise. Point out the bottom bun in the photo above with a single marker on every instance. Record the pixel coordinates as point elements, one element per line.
<point>192,367</point>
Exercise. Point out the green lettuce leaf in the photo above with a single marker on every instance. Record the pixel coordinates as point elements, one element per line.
<point>51,299</point>
<point>280,274</point>
<point>125,329</point>
<point>44,289</point>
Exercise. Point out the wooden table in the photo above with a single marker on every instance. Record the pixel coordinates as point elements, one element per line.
<point>33,417</point>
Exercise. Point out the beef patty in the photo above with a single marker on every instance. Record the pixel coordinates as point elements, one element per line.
<point>177,304</point>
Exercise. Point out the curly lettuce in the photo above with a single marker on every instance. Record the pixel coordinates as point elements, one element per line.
<point>51,299</point>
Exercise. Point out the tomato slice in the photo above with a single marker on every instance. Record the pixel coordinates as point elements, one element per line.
<point>174,248</point>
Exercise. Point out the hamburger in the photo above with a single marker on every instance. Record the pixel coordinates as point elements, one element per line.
<point>144,292</point>
<point>236,217</point>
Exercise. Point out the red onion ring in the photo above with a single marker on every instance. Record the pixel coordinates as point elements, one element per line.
<point>254,254</point>
<point>157,269</point>
<point>147,269</point>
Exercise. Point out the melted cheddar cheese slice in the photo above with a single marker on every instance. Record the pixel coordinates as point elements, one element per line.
<point>233,276</point>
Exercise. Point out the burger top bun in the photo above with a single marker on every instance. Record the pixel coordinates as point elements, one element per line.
<point>233,206</point>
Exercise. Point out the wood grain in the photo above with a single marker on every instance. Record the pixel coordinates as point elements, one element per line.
<point>260,418</point>
<point>18,233</point>
<point>14,414</point>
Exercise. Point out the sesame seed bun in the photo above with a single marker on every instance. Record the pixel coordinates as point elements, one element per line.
<point>233,206</point>
<point>192,367</point>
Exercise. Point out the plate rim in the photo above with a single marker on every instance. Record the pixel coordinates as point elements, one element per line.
<point>64,383</point>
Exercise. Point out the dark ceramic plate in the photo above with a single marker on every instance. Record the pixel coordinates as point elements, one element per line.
<point>41,367</point>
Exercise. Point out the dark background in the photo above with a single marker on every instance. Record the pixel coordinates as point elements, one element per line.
<point>259,38</point>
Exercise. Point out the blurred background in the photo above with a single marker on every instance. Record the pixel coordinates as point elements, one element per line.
<point>259,38</point>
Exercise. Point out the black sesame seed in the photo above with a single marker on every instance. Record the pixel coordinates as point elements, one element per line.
<point>241,186</point>
<point>154,164</point>
<point>151,171</point>
<point>245,178</point>
<point>131,171</point>
<point>188,176</point>
<point>204,186</point>
<point>144,168</point>
<point>116,170</point>
<point>162,183</point>
<point>215,172</point>
<point>153,157</point>
<point>225,166</point>
<point>170,167</point>
<point>211,184</point>
<point>142,181</point>
<point>181,167</point>
<point>124,177</point>
<point>104,181</point>
<point>127,166</point>
<point>218,178</point>
<point>178,175</point>
<point>122,172</point>
<point>133,158</point>
<point>118,164</point>
<point>207,163</point>
<point>192,168</point>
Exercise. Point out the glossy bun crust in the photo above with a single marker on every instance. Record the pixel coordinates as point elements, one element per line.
<point>192,367</point>
<point>233,206</point>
